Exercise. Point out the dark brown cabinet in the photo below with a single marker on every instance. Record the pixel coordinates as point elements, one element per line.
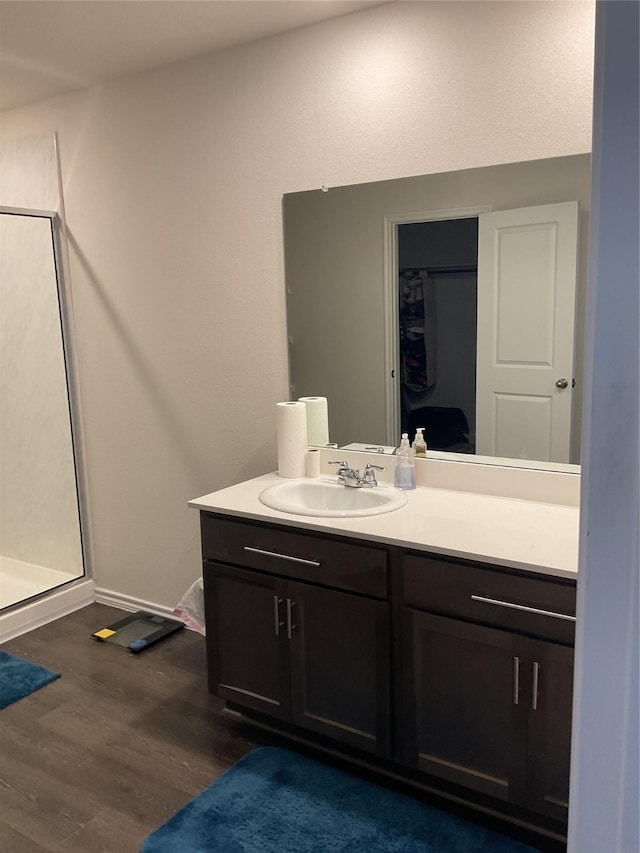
<point>301,652</point>
<point>490,710</point>
<point>549,729</point>
<point>248,663</point>
<point>462,723</point>
<point>488,706</point>
<point>455,671</point>
<point>340,666</point>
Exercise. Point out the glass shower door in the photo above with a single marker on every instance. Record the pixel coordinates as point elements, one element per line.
<point>40,533</point>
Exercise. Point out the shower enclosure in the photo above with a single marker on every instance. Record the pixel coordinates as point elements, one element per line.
<point>41,545</point>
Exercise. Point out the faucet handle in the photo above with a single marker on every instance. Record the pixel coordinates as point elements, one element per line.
<point>341,464</point>
<point>369,475</point>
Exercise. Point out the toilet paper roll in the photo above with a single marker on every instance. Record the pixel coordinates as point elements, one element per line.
<point>312,463</point>
<point>292,438</point>
<point>317,420</point>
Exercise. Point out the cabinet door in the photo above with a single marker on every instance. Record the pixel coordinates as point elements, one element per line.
<point>549,742</point>
<point>340,666</point>
<point>464,720</point>
<point>247,649</point>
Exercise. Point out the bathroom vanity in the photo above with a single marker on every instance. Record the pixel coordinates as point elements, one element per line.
<point>434,643</point>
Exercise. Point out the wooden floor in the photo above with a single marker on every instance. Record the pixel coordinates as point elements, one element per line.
<point>107,753</point>
<point>101,757</point>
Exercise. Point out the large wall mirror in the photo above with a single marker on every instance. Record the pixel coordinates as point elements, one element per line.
<point>453,301</point>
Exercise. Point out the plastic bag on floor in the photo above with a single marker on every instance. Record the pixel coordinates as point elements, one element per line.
<point>190,608</point>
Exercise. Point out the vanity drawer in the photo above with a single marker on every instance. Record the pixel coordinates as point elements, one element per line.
<point>493,597</point>
<point>318,559</point>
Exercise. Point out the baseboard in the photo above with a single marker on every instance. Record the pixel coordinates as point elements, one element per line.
<point>57,604</point>
<point>129,603</point>
<point>20,620</point>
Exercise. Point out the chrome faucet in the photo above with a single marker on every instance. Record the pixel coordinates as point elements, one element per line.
<point>351,478</point>
<point>347,475</point>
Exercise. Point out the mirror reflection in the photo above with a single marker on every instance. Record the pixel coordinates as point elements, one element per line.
<point>452,302</point>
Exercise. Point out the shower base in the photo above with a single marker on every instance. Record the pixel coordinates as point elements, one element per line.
<point>20,581</point>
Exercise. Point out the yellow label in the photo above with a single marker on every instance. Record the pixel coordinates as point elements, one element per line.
<point>104,633</point>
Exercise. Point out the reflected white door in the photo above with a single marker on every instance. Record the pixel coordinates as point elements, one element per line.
<point>527,264</point>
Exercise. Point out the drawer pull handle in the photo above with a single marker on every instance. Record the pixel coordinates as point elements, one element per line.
<point>534,688</point>
<point>290,625</point>
<point>282,556</point>
<point>512,606</point>
<point>277,624</point>
<point>516,680</point>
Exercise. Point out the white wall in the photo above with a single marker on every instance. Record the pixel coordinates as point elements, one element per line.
<point>605,788</point>
<point>29,173</point>
<point>173,183</point>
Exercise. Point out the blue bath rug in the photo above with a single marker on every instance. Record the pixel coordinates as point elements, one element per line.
<point>275,801</point>
<point>20,677</point>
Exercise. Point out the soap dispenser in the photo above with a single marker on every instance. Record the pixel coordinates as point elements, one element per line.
<point>419,444</point>
<point>405,473</point>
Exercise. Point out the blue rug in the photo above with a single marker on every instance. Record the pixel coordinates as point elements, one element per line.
<point>20,677</point>
<point>275,801</point>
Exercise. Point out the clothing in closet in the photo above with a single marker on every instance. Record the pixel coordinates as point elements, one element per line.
<point>417,331</point>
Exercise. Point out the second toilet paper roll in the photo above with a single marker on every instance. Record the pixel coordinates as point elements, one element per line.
<point>317,420</point>
<point>312,463</point>
<point>292,438</point>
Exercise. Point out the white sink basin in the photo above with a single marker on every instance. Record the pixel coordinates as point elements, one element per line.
<point>330,499</point>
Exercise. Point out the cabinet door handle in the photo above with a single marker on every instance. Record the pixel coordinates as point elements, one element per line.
<point>516,680</point>
<point>277,624</point>
<point>282,556</point>
<point>534,688</point>
<point>290,625</point>
<point>513,606</point>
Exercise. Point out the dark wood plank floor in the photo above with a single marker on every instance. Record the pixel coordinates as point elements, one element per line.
<point>96,760</point>
<point>101,757</point>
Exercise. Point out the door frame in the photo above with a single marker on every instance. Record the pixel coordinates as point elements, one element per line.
<point>390,297</point>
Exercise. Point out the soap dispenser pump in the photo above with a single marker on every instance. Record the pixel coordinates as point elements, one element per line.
<point>405,473</point>
<point>419,444</point>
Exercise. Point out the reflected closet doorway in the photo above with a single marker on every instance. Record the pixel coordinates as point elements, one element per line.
<point>438,295</point>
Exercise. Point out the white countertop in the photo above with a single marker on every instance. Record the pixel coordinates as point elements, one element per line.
<point>521,534</point>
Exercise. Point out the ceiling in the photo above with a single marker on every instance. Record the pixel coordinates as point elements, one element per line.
<point>50,47</point>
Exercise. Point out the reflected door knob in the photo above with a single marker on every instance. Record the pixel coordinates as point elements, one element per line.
<point>562,383</point>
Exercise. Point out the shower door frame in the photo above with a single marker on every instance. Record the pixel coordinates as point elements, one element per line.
<point>65,312</point>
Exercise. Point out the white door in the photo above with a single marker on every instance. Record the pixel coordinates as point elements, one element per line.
<point>527,264</point>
